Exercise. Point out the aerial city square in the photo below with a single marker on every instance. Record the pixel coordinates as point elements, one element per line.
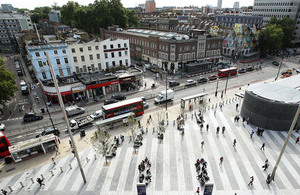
<point>150,97</point>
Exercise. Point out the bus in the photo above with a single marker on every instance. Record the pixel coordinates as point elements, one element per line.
<point>135,105</point>
<point>227,72</point>
<point>4,143</point>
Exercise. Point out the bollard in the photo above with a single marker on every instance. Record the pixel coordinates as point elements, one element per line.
<point>185,116</point>
<point>71,165</point>
<point>52,173</point>
<point>31,180</point>
<point>192,115</point>
<point>153,129</point>
<point>87,159</point>
<point>167,115</point>
<point>146,129</point>
<point>95,156</point>
<point>173,122</point>
<point>61,169</point>
<point>10,188</point>
<point>42,176</point>
<point>22,185</point>
<point>167,122</point>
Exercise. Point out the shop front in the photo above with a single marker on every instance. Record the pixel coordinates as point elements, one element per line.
<point>79,92</point>
<point>104,88</point>
<point>127,82</point>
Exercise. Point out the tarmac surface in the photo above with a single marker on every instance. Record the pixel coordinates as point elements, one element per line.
<point>173,170</point>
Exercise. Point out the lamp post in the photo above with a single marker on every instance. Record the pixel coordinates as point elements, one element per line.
<point>166,63</point>
<point>282,57</point>
<point>227,81</point>
<point>216,93</point>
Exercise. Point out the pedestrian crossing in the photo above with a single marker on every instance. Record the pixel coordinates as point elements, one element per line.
<point>173,170</point>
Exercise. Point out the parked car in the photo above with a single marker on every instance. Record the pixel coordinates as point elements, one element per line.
<point>19,72</point>
<point>2,127</point>
<point>288,71</point>
<point>32,116</point>
<point>110,101</point>
<point>190,82</point>
<point>297,71</point>
<point>249,68</point>
<point>23,83</point>
<point>242,70</point>
<point>118,96</point>
<point>202,80</point>
<point>97,114</point>
<point>48,131</point>
<point>212,77</point>
<point>173,83</point>
<point>275,63</point>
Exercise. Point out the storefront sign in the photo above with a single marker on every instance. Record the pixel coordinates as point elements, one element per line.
<point>78,89</point>
<point>127,79</point>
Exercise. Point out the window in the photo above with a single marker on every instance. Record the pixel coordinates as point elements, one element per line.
<point>73,50</point>
<point>99,66</point>
<point>61,73</point>
<point>81,49</point>
<point>55,51</point>
<point>44,75</point>
<point>120,54</point>
<point>98,56</point>
<point>111,46</point>
<point>107,65</point>
<point>126,62</point>
<point>75,59</point>
<point>104,46</point>
<point>89,48</point>
<point>126,53</point>
<point>93,67</point>
<point>40,63</point>
<point>82,58</point>
<point>64,51</point>
<point>125,45</point>
<point>120,62</point>
<point>97,47</point>
<point>105,55</point>
<point>113,63</point>
<point>66,61</point>
<point>57,61</point>
<point>69,71</point>
<point>37,54</point>
<point>84,68</point>
<point>119,45</point>
<point>112,54</point>
<point>77,69</point>
<point>91,57</point>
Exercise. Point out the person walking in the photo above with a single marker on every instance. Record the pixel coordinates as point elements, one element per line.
<point>251,181</point>
<point>251,134</point>
<point>54,163</point>
<point>207,127</point>
<point>198,190</point>
<point>234,142</point>
<point>218,129</point>
<point>223,129</point>
<point>297,140</point>
<point>221,160</point>
<point>4,192</point>
<point>202,143</point>
<point>236,106</point>
<point>70,142</point>
<point>262,147</point>
<point>40,181</point>
<point>215,111</point>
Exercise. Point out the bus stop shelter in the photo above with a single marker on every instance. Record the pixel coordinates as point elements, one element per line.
<point>199,96</point>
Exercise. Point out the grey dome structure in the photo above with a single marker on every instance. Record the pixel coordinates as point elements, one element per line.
<point>273,105</point>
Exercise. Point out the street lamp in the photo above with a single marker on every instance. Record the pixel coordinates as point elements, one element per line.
<point>166,63</point>
<point>216,93</point>
<point>282,57</point>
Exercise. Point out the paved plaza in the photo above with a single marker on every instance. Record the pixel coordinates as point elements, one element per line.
<point>173,170</point>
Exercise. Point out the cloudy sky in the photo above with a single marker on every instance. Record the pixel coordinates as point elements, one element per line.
<point>30,4</point>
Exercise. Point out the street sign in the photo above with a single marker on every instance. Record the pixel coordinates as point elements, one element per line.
<point>141,188</point>
<point>208,188</point>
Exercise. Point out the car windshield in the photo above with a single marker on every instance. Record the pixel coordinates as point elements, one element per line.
<point>159,97</point>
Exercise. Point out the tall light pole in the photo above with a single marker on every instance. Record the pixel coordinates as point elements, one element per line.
<point>282,57</point>
<point>226,83</point>
<point>286,141</point>
<point>65,116</point>
<point>216,93</point>
<point>166,63</point>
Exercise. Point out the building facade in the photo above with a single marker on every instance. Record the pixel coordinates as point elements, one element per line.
<point>219,6</point>
<point>10,24</point>
<point>231,20</point>
<point>150,6</point>
<point>59,57</point>
<point>54,16</point>
<point>279,9</point>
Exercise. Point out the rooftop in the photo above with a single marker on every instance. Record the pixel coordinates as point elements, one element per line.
<point>160,34</point>
<point>285,90</point>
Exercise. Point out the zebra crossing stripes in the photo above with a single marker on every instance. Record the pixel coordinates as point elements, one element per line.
<point>180,169</point>
<point>124,173</point>
<point>153,159</point>
<point>173,159</point>
<point>166,162</point>
<point>22,179</point>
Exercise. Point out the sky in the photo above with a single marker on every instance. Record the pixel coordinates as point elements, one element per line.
<point>31,4</point>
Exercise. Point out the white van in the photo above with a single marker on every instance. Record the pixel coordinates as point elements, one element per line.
<point>164,96</point>
<point>73,110</point>
<point>97,114</point>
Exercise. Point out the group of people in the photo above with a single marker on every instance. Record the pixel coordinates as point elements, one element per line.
<point>260,131</point>
<point>218,129</point>
<point>201,171</point>
<point>142,168</point>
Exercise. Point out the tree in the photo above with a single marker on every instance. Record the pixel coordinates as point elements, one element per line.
<point>288,27</point>
<point>7,84</point>
<point>270,39</point>
<point>40,13</point>
<point>132,126</point>
<point>100,140</point>
<point>68,13</point>
<point>159,120</point>
<point>133,19</point>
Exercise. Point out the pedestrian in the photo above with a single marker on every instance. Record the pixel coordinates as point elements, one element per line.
<point>297,140</point>
<point>266,166</point>
<point>215,111</point>
<point>202,143</point>
<point>251,180</point>
<point>208,99</point>
<point>4,192</point>
<point>145,85</point>
<point>223,129</point>
<point>218,129</point>
<point>262,147</point>
<point>150,117</point>
<point>221,160</point>
<point>234,142</point>
<point>70,142</point>
<point>207,126</point>
<point>40,181</point>
<point>53,161</point>
<point>56,150</point>
<point>201,127</point>
<point>198,190</point>
<point>236,106</point>
<point>251,134</point>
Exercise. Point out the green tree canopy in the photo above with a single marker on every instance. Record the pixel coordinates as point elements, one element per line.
<point>288,28</point>
<point>7,84</point>
<point>40,13</point>
<point>271,39</point>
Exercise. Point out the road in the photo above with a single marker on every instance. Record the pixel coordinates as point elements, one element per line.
<point>17,130</point>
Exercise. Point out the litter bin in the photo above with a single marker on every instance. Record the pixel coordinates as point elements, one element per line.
<point>82,133</point>
<point>42,110</point>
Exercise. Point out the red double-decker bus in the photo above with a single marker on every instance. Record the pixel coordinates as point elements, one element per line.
<point>135,105</point>
<point>4,143</point>
<point>227,72</point>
